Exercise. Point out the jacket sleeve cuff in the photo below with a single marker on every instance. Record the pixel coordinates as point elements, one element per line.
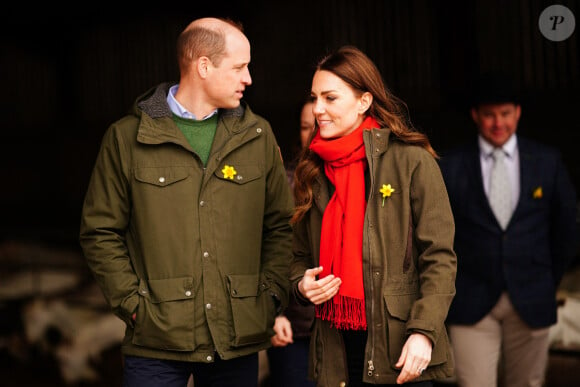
<point>298,296</point>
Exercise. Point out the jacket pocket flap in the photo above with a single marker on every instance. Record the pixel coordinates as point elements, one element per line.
<point>170,289</point>
<point>241,174</point>
<point>160,176</point>
<point>243,285</point>
<point>399,305</point>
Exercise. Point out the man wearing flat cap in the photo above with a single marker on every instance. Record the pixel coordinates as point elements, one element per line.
<point>514,207</point>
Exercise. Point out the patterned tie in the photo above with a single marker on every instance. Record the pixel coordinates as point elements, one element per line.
<point>500,190</point>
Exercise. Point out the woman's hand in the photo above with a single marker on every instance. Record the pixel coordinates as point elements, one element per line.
<point>283,329</point>
<point>414,358</point>
<point>318,291</point>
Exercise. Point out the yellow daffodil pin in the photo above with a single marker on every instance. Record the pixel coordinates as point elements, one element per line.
<point>386,190</point>
<point>538,193</point>
<point>229,172</point>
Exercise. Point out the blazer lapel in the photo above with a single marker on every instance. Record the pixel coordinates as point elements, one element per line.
<point>528,172</point>
<point>474,172</point>
<point>483,208</point>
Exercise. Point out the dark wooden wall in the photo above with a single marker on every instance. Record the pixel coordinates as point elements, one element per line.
<point>66,78</point>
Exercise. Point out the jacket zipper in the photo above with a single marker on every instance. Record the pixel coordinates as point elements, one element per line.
<point>370,326</point>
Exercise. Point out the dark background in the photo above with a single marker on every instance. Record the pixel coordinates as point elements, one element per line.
<point>69,73</point>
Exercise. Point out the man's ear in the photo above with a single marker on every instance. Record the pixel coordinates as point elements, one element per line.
<point>518,112</point>
<point>202,65</point>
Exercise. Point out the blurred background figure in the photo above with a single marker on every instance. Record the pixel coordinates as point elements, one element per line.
<point>514,207</point>
<point>306,122</point>
<point>306,129</point>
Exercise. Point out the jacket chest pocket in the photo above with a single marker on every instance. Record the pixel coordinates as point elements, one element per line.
<point>234,184</point>
<point>160,176</point>
<point>238,174</point>
<point>162,190</point>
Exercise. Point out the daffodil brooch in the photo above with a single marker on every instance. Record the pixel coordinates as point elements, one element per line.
<point>538,193</point>
<point>229,172</point>
<point>386,190</point>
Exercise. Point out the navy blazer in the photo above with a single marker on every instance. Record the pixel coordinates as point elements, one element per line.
<point>529,258</point>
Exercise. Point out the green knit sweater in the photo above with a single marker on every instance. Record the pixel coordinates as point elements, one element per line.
<point>199,134</point>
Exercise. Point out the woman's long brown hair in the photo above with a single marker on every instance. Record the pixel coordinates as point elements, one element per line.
<point>356,69</point>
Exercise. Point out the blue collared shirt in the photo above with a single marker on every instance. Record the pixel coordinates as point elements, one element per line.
<point>178,109</point>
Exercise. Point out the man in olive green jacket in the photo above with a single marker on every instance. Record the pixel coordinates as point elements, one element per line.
<point>409,265</point>
<point>185,223</point>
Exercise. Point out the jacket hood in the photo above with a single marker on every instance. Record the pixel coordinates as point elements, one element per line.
<point>156,118</point>
<point>154,103</point>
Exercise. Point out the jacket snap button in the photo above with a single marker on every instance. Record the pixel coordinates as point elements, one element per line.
<point>188,293</point>
<point>162,180</point>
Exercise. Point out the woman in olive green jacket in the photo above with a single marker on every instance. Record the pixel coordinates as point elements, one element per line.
<point>374,234</point>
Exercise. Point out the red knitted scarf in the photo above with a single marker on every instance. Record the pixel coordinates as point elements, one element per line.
<point>342,226</point>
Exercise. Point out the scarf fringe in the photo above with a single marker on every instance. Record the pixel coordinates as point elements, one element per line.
<point>343,313</point>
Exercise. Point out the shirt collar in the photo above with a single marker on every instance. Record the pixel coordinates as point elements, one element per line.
<point>178,109</point>
<point>509,147</point>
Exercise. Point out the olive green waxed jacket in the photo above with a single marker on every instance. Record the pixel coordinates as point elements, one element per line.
<point>201,254</point>
<point>409,265</point>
